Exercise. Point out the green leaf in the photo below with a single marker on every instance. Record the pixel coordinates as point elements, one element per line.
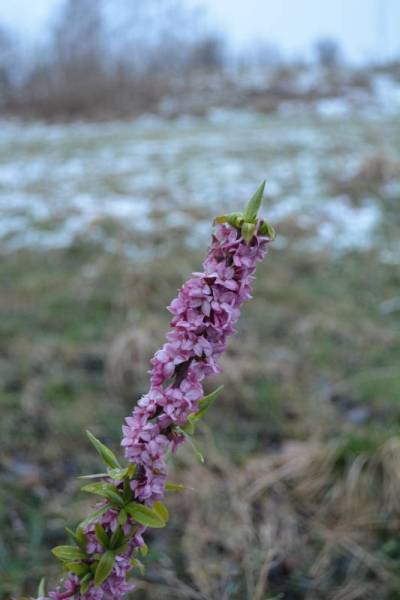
<point>122,517</point>
<point>131,470</point>
<point>174,487</point>
<point>117,538</point>
<point>118,474</point>
<point>189,426</point>
<point>127,492</point>
<point>192,444</point>
<point>267,229</point>
<point>93,476</point>
<point>42,588</point>
<point>144,549</point>
<point>234,219</point>
<point>106,490</point>
<point>104,567</point>
<point>145,515</point>
<point>205,403</point>
<point>248,231</point>
<point>85,583</point>
<point>106,454</point>
<point>253,206</point>
<point>136,563</point>
<point>78,568</point>
<point>80,537</point>
<point>161,510</point>
<point>68,553</point>
<point>101,535</point>
<point>97,513</point>
<point>71,533</point>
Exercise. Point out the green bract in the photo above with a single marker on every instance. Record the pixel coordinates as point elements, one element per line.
<point>253,205</point>
<point>247,221</point>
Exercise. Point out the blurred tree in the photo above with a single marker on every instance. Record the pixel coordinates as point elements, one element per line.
<point>265,54</point>
<point>208,53</point>
<point>8,61</point>
<point>116,57</point>
<point>78,37</point>
<point>327,52</point>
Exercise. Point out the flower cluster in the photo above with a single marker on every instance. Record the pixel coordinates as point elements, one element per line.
<point>203,316</point>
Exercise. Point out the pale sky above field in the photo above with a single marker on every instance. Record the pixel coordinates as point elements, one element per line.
<point>364,28</point>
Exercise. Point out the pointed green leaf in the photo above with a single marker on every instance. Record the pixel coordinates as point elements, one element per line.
<point>101,535</point>
<point>106,454</point>
<point>144,549</point>
<point>71,533</point>
<point>253,206</point>
<point>136,563</point>
<point>106,490</point>
<point>122,517</point>
<point>192,444</point>
<point>118,474</point>
<point>221,219</point>
<point>248,231</point>
<point>234,219</point>
<point>145,515</point>
<point>205,403</point>
<point>97,513</point>
<point>117,538</point>
<point>161,510</point>
<point>104,567</point>
<point>80,537</point>
<point>267,229</point>
<point>189,426</point>
<point>68,553</point>
<point>127,492</point>
<point>93,476</point>
<point>78,568</point>
<point>131,470</point>
<point>174,487</point>
<point>42,588</point>
<point>85,583</point>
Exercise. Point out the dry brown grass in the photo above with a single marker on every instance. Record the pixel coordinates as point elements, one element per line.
<point>304,523</point>
<point>374,171</point>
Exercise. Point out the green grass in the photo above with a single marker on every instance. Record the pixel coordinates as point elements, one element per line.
<point>314,332</point>
<point>312,326</point>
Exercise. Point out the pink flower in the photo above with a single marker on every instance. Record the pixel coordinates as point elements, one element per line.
<point>203,317</point>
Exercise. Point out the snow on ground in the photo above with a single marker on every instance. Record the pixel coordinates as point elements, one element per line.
<point>55,180</point>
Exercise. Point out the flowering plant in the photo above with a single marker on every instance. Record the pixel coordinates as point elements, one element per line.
<point>107,545</point>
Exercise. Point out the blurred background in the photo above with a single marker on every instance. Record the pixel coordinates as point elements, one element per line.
<point>125,127</point>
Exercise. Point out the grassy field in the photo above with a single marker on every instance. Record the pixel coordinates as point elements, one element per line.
<point>298,498</point>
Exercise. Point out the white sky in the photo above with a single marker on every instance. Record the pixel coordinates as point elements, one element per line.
<point>364,28</point>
